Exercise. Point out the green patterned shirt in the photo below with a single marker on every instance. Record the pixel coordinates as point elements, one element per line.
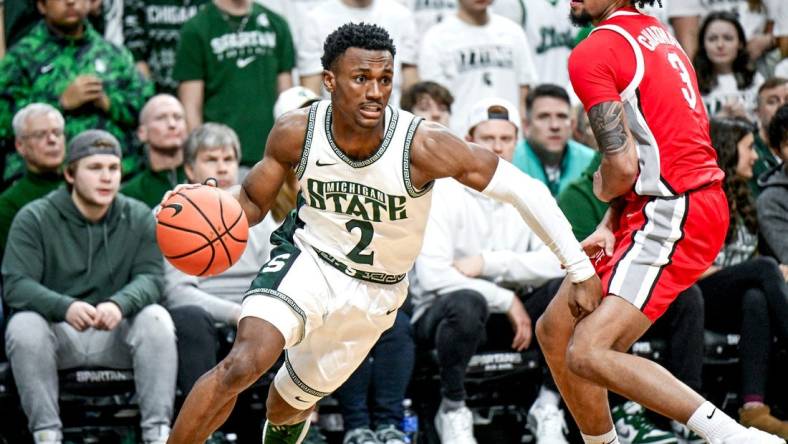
<point>43,64</point>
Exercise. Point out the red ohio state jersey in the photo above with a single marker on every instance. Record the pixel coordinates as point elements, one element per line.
<point>633,58</point>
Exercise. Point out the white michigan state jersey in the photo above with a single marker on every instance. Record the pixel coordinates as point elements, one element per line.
<point>364,217</point>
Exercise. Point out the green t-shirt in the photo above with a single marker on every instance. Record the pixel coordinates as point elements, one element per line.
<point>149,187</point>
<point>239,59</point>
<point>580,206</point>
<point>23,191</point>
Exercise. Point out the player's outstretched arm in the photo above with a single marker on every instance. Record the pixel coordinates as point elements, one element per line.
<point>438,153</point>
<point>618,170</point>
<point>282,152</point>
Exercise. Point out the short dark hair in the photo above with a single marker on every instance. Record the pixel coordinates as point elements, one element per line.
<point>436,91</point>
<point>355,35</point>
<point>546,90</point>
<point>772,82</point>
<point>778,128</point>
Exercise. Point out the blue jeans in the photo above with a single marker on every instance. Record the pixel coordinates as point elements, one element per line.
<point>383,377</point>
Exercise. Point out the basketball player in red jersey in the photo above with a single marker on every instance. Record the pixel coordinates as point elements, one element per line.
<point>666,223</point>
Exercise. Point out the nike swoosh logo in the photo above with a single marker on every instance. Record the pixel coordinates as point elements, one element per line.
<point>298,398</point>
<point>242,63</point>
<point>324,164</point>
<point>175,206</point>
<point>712,413</point>
<point>47,68</point>
<point>391,311</point>
<point>624,434</point>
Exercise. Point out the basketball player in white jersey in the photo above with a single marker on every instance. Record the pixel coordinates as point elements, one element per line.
<point>337,273</point>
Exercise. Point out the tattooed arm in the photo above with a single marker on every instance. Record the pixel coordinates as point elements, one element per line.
<point>619,168</point>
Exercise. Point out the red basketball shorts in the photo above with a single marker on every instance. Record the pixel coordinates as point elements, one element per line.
<point>662,247</point>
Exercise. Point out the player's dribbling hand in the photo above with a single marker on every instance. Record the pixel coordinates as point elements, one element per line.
<point>584,297</point>
<point>108,315</point>
<point>80,315</point>
<point>521,324</point>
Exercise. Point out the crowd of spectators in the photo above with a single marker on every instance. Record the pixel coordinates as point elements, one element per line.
<point>105,105</point>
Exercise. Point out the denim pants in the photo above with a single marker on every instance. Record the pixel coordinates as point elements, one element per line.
<point>380,380</point>
<point>37,349</point>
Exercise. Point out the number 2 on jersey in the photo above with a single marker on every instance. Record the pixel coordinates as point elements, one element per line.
<point>367,232</point>
<point>689,91</point>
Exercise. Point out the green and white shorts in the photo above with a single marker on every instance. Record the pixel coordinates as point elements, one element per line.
<point>329,320</point>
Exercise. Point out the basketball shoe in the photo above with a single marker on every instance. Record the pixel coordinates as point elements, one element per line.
<point>633,427</point>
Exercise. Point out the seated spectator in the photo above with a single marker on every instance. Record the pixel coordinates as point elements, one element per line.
<point>771,95</point>
<point>726,80</point>
<point>745,294</point>
<point>681,326</point>
<point>82,276</point>
<point>428,100</point>
<point>233,59</point>
<point>64,62</point>
<point>773,201</point>
<point>163,130</point>
<point>547,153</point>
<point>40,142</point>
<point>213,151</point>
<point>478,257</point>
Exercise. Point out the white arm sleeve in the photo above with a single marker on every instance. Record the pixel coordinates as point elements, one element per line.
<point>538,208</point>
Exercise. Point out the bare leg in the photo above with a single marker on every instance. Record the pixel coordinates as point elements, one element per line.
<point>598,352</point>
<point>586,401</point>
<point>594,352</point>
<point>257,346</point>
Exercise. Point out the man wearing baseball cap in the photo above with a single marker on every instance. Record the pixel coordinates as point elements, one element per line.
<point>82,275</point>
<point>477,260</point>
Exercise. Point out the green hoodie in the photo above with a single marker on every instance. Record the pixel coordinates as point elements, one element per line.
<point>55,256</point>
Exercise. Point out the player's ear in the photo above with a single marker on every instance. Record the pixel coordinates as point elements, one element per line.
<point>329,81</point>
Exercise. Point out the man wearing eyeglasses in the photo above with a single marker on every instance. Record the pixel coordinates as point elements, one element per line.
<point>547,154</point>
<point>40,142</point>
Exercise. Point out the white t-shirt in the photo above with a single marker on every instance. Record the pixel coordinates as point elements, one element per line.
<point>429,12</point>
<point>549,31</point>
<point>476,62</point>
<point>753,22</point>
<point>329,15</point>
<point>727,91</point>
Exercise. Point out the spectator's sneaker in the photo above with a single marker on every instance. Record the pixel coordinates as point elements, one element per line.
<point>455,426</point>
<point>361,435</point>
<point>156,435</point>
<point>633,427</point>
<point>48,437</point>
<point>547,423</point>
<point>751,436</point>
<point>761,418</point>
<point>684,435</point>
<point>391,435</point>
<point>285,434</point>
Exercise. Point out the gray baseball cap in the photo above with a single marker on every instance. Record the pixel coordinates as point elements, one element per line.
<point>90,142</point>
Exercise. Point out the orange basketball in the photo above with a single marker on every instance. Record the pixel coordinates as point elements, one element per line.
<point>202,230</point>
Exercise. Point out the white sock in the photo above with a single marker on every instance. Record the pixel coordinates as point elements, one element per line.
<point>547,397</point>
<point>608,438</point>
<point>712,424</point>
